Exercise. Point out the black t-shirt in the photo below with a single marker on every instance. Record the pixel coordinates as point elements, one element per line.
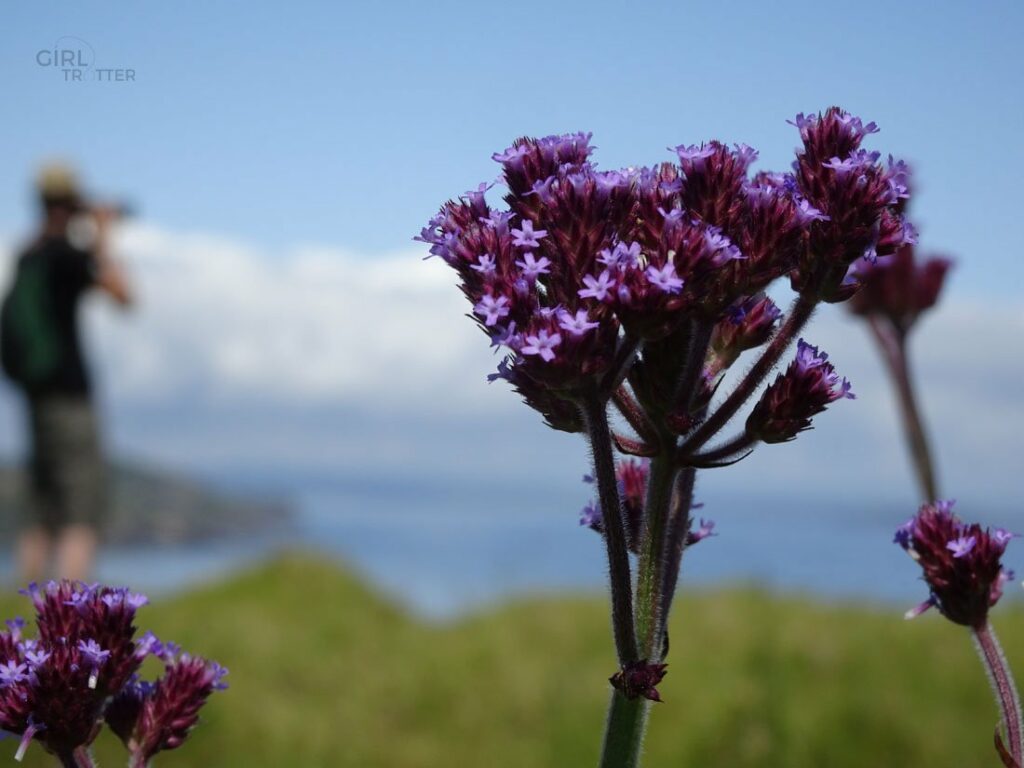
<point>70,272</point>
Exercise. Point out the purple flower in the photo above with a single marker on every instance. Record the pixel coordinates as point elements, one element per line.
<point>590,516</point>
<point>159,717</point>
<point>745,154</point>
<point>806,213</point>
<point>492,308</point>
<point>693,154</point>
<point>706,529</point>
<point>577,324</point>
<point>900,287</point>
<point>597,287</point>
<point>1002,536</point>
<point>803,391</point>
<point>665,278</point>
<point>621,256</point>
<point>512,154</point>
<point>94,656</point>
<point>962,545</point>
<point>961,563</point>
<point>12,672</point>
<point>527,237</point>
<point>532,267</point>
<point>904,534</point>
<point>843,167</point>
<point>485,264</point>
<point>36,658</point>
<point>542,344</point>
<point>14,626</point>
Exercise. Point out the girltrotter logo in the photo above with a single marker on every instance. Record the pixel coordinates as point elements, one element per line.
<point>75,60</point>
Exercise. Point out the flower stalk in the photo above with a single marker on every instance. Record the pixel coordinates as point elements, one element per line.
<point>800,313</point>
<point>642,286</point>
<point>595,416</point>
<point>1004,688</point>
<point>893,343</point>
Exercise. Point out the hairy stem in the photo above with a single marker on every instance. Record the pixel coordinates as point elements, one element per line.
<point>724,452</point>
<point>679,528</point>
<point>624,731</point>
<point>799,314</point>
<point>630,409</point>
<point>595,415</point>
<point>697,352</point>
<point>893,344</point>
<point>652,555</point>
<point>1003,687</point>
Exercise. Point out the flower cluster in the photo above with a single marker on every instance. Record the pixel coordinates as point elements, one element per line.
<point>962,563</point>
<point>585,265</point>
<point>900,287</point>
<point>57,687</point>
<point>802,391</point>
<point>860,201</point>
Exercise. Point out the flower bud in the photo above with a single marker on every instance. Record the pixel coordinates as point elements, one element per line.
<point>803,391</point>
<point>961,563</point>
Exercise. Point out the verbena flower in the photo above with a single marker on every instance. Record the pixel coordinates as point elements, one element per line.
<point>899,287</point>
<point>801,392</point>
<point>860,201</point>
<point>962,563</point>
<point>57,687</point>
<point>749,324</point>
<point>158,716</point>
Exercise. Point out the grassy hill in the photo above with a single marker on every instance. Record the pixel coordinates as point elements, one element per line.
<point>326,673</point>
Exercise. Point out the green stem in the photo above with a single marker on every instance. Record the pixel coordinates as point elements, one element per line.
<point>679,528</point>
<point>595,415</point>
<point>624,731</point>
<point>652,556</point>
<point>893,343</point>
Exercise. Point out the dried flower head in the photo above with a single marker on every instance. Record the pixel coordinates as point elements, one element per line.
<point>639,678</point>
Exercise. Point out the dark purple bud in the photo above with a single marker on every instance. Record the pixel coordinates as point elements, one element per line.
<point>171,709</point>
<point>899,287</point>
<point>713,181</point>
<point>749,324</point>
<point>639,678</point>
<point>803,391</point>
<point>961,563</point>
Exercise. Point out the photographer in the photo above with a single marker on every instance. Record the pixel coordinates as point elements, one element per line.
<point>42,354</point>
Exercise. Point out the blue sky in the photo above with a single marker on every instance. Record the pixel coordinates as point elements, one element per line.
<point>348,124</point>
<point>283,156</point>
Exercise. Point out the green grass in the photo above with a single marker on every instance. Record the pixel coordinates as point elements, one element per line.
<point>324,672</point>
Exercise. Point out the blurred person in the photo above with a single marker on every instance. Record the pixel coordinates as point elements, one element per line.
<point>42,354</point>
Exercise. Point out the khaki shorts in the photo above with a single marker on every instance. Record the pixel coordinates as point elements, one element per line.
<point>67,474</point>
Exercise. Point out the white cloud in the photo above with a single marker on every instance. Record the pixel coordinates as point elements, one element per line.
<point>320,358</point>
<point>221,320</point>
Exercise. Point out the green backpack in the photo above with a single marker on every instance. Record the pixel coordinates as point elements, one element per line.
<point>29,341</point>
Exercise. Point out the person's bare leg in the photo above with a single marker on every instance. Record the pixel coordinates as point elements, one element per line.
<point>34,549</point>
<point>76,552</point>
